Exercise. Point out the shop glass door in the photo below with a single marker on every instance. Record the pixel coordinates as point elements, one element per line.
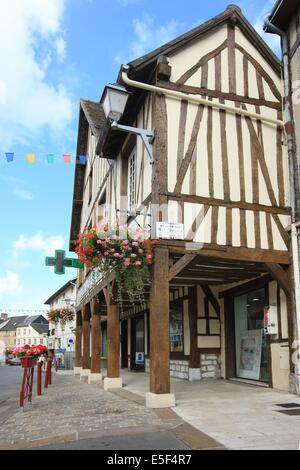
<point>138,344</point>
<point>250,340</point>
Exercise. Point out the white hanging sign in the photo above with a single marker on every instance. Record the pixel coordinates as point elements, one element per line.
<point>169,231</point>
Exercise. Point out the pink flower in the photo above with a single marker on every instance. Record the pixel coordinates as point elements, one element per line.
<point>106,253</point>
<point>133,255</point>
<point>125,242</point>
<point>140,251</point>
<point>117,255</point>
<point>99,242</point>
<point>138,263</point>
<point>116,237</point>
<point>135,244</point>
<point>127,261</point>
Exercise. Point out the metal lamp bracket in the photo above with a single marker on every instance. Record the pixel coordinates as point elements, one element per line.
<point>146,135</point>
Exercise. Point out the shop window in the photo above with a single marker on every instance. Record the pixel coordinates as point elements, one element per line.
<point>176,327</point>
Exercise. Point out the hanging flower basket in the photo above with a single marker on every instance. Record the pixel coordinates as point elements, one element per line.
<point>28,361</point>
<point>127,254</point>
<point>61,315</point>
<point>29,354</point>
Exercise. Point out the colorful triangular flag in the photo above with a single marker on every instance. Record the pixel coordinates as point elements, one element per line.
<point>82,159</point>
<point>67,158</point>
<point>50,158</point>
<point>9,156</point>
<point>30,158</point>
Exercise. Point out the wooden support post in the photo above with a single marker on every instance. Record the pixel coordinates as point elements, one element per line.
<point>78,344</point>
<point>194,362</point>
<point>95,374</point>
<point>86,337</point>
<point>113,379</point>
<point>160,396</point>
<point>39,379</point>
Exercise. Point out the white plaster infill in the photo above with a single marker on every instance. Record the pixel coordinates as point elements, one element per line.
<point>94,378</point>
<point>165,400</point>
<point>110,383</point>
<point>194,375</point>
<point>77,370</point>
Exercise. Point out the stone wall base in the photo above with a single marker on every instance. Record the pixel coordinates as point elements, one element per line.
<point>109,383</point>
<point>77,370</point>
<point>165,400</point>
<point>94,378</point>
<point>84,373</point>
<point>210,367</point>
<point>194,375</point>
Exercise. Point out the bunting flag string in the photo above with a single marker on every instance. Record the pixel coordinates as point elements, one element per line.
<point>50,158</point>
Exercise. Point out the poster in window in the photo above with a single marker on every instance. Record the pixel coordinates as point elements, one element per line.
<point>250,354</point>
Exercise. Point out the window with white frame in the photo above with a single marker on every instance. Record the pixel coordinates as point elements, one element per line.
<point>131,180</point>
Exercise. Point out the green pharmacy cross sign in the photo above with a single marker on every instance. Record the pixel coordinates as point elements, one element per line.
<point>60,262</point>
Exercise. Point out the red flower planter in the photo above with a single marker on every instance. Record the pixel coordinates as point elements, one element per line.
<point>28,361</point>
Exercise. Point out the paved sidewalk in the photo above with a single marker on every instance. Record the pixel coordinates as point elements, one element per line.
<point>238,415</point>
<point>87,417</point>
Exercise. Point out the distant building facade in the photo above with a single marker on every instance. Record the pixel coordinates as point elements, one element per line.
<point>8,328</point>
<point>32,330</point>
<point>62,338</point>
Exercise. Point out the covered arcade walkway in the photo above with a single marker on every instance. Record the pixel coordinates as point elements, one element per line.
<point>238,415</point>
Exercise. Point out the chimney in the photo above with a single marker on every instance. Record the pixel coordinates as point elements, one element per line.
<point>3,316</point>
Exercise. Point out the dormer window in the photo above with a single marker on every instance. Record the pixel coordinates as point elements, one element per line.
<point>132,180</point>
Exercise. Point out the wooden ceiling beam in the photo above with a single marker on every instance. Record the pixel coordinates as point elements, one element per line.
<point>281,276</point>
<point>182,263</point>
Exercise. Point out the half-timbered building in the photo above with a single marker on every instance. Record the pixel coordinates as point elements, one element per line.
<point>219,304</point>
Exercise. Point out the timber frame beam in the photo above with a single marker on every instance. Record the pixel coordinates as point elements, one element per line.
<point>212,299</point>
<point>180,265</point>
<point>227,252</point>
<point>281,276</point>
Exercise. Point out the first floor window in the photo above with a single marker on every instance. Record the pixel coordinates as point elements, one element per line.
<point>176,327</point>
<point>131,180</point>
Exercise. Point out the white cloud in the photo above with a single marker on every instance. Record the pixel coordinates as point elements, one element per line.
<point>30,32</point>
<point>257,18</point>
<point>272,40</point>
<point>23,194</point>
<point>10,284</point>
<point>38,242</point>
<point>148,37</point>
<point>60,46</point>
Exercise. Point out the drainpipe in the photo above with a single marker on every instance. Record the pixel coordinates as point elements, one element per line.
<point>196,99</point>
<point>290,134</point>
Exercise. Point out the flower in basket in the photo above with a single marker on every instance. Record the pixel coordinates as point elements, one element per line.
<point>61,315</point>
<point>8,352</point>
<point>29,351</point>
<point>127,253</point>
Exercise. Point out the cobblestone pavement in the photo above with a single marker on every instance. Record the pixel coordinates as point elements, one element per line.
<point>70,409</point>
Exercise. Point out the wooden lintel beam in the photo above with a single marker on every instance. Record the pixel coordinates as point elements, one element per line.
<point>180,265</point>
<point>210,201</point>
<point>212,299</point>
<point>281,276</point>
<point>227,252</point>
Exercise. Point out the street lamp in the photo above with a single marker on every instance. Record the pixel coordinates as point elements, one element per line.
<point>68,301</point>
<point>114,100</point>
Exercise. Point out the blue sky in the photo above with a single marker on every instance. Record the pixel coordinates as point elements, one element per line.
<point>52,52</point>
